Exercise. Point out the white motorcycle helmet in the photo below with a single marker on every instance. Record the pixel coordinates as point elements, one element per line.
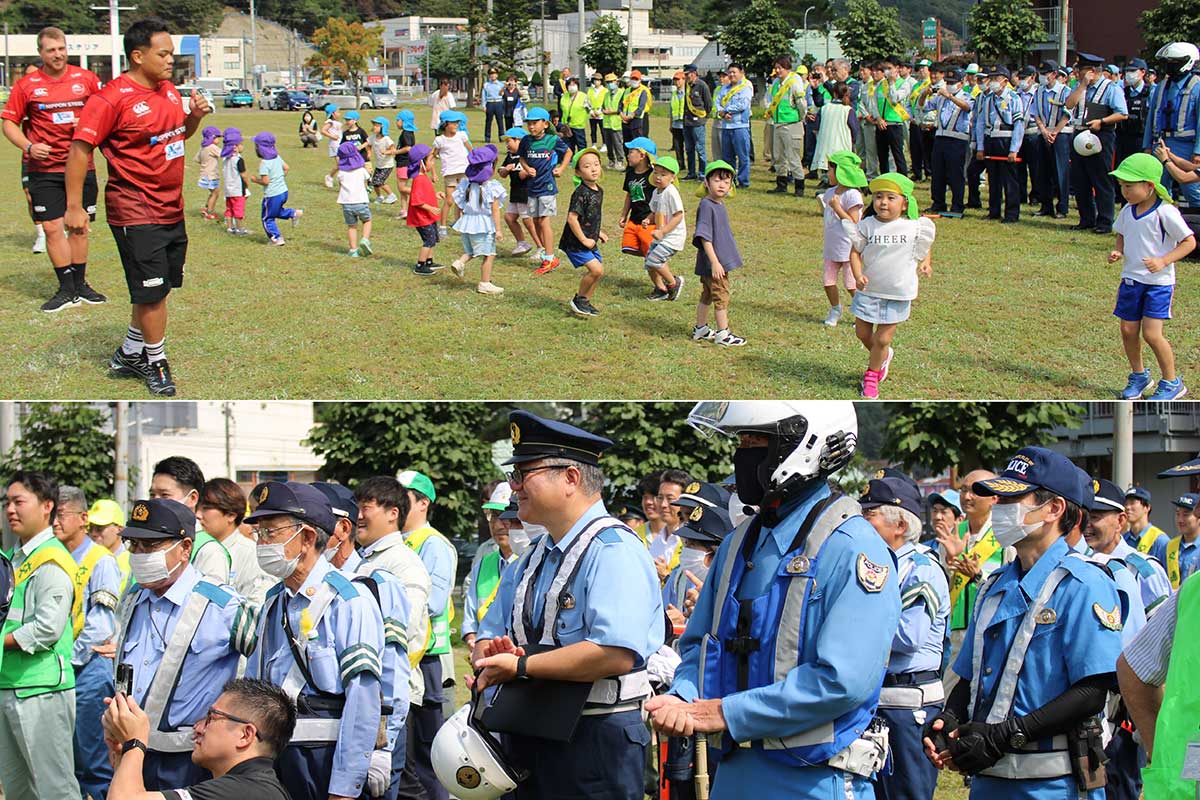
<point>468,761</point>
<point>1178,58</point>
<point>1087,143</point>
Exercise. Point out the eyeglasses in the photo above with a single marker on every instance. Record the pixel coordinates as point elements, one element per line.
<point>518,475</point>
<point>149,545</point>
<point>265,533</point>
<point>216,713</point>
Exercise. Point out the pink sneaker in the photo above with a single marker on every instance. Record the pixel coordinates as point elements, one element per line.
<point>870,384</point>
<point>887,362</point>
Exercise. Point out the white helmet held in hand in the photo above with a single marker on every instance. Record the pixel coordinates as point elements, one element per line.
<point>1087,143</point>
<point>1178,58</point>
<point>468,761</point>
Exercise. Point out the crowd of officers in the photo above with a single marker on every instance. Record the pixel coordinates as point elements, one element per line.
<point>780,637</point>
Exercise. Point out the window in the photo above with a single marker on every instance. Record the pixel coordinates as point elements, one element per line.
<point>232,51</point>
<point>233,65</point>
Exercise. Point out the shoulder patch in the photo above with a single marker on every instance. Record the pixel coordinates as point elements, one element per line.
<point>610,536</point>
<point>342,584</point>
<point>215,593</point>
<point>1141,563</point>
<point>920,559</point>
<point>1109,619</point>
<point>871,576</point>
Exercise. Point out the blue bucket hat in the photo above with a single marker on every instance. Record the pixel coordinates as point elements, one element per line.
<point>330,109</point>
<point>536,113</point>
<point>352,115</point>
<point>383,123</point>
<point>644,144</point>
<point>407,121</point>
<point>516,132</point>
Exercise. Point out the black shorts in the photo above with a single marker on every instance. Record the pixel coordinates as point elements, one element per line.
<point>153,257</point>
<point>429,234</point>
<point>48,191</point>
<point>24,175</point>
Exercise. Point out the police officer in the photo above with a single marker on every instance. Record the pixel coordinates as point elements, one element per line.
<point>1131,131</point>
<point>1098,104</point>
<point>320,637</point>
<point>912,688</point>
<point>999,133</point>
<point>766,665</point>
<point>1183,551</point>
<point>179,478</point>
<point>1044,645</point>
<point>700,535</point>
<point>1173,112</point>
<point>951,106</point>
<point>1144,536</point>
<point>1029,166</point>
<point>1055,131</point>
<point>558,618</point>
<point>180,633</point>
<point>483,582</point>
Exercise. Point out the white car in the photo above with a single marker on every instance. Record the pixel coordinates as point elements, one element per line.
<point>266,98</point>
<point>185,94</point>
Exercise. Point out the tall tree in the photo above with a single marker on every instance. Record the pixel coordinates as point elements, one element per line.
<point>869,31</point>
<point>604,50</point>
<point>184,16</point>
<point>510,38</point>
<point>1170,21</point>
<point>756,36</point>
<point>1002,29</point>
<point>70,443</point>
<point>343,50</point>
<point>73,16</point>
<point>448,60</point>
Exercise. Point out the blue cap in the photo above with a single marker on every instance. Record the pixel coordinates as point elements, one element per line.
<point>352,115</point>
<point>892,492</point>
<point>534,438</point>
<point>330,108</point>
<point>407,121</point>
<point>1113,68</point>
<point>341,499</point>
<point>1038,468</point>
<point>947,498</point>
<point>1047,66</point>
<point>1027,72</point>
<point>1136,63</point>
<point>1138,493</point>
<point>536,113</point>
<point>1106,496</point>
<point>642,143</point>
<point>893,472</point>
<point>160,519</point>
<point>998,69</point>
<point>516,132</point>
<point>294,499</point>
<point>1188,501</point>
<point>511,511</point>
<point>447,117</point>
<point>1089,60</point>
<point>708,524</point>
<point>698,493</point>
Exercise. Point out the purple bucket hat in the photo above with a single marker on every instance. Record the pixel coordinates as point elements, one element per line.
<point>481,162</point>
<point>209,135</point>
<point>415,156</point>
<point>264,143</point>
<point>349,158</point>
<point>229,139</point>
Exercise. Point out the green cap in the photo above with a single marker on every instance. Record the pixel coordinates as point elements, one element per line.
<point>418,482</point>
<point>575,158</point>
<point>719,164</point>
<point>849,169</point>
<point>1142,167</point>
<point>900,184</point>
<point>669,164</point>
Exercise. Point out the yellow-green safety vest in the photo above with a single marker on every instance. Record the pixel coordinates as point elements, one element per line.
<point>80,577</point>
<point>487,583</point>
<point>46,671</point>
<point>677,105</point>
<point>613,101</point>
<point>438,641</point>
<point>574,110</point>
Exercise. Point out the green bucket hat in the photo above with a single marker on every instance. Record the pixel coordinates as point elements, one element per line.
<point>669,164</point>
<point>719,164</point>
<point>849,169</point>
<point>900,184</point>
<point>418,482</point>
<point>1142,167</point>
<point>575,179</point>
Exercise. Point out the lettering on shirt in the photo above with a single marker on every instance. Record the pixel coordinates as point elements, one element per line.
<point>887,238</point>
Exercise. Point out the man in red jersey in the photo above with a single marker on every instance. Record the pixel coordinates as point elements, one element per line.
<point>40,119</point>
<point>138,123</point>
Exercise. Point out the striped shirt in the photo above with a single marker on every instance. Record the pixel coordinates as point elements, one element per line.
<point>1149,654</point>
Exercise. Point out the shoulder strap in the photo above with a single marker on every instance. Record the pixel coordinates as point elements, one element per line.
<point>166,678</point>
<point>564,578</point>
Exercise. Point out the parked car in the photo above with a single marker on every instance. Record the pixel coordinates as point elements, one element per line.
<point>239,98</point>
<point>343,100</point>
<point>382,96</point>
<point>266,98</point>
<point>291,100</point>
<point>185,93</point>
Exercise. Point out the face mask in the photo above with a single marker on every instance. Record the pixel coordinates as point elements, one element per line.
<point>1026,85</point>
<point>573,89</point>
<point>518,540</point>
<point>274,562</point>
<point>692,560</point>
<point>746,462</point>
<point>533,531</point>
<point>635,83</point>
<point>612,87</point>
<point>1132,79</point>
<point>1043,79</point>
<point>150,568</point>
<point>994,86</point>
<point>1008,523</point>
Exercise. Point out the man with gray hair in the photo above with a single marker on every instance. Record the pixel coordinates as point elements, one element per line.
<point>912,688</point>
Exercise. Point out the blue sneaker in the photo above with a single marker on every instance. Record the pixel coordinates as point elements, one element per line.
<point>1169,390</point>
<point>1138,381</point>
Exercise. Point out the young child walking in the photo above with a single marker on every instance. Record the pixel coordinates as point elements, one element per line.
<point>1151,236</point>
<point>670,231</point>
<point>543,156</point>
<point>424,209</point>
<point>516,214</point>
<point>887,250</point>
<point>331,129</point>
<point>716,256</point>
<point>383,156</point>
<point>355,198</point>
<point>480,199</point>
<point>581,238</point>
<point>209,159</point>
<point>236,188</point>
<point>637,220</point>
<point>406,137</point>
<point>272,174</point>
<point>451,146</point>
<point>841,201</point>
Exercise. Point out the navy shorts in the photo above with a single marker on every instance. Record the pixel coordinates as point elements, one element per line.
<point>580,257</point>
<point>429,234</point>
<point>1137,301</point>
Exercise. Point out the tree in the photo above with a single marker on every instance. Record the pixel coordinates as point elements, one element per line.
<point>969,436</point>
<point>756,36</point>
<point>1003,29</point>
<point>509,38</point>
<point>69,442</point>
<point>442,440</point>
<point>868,31</point>
<point>449,60</point>
<point>605,48</point>
<point>343,50</point>
<point>1170,21</point>
<point>73,16</point>
<point>192,16</point>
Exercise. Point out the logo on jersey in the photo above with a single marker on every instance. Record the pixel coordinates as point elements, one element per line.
<point>174,98</point>
<point>141,108</point>
<point>41,91</point>
<point>78,88</point>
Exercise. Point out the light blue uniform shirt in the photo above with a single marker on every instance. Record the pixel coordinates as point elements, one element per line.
<point>1110,93</point>
<point>1189,559</point>
<point>616,591</point>
<point>1073,647</point>
<point>925,612</point>
<point>100,604</point>
<point>739,107</point>
<point>1157,124</point>
<point>1049,103</point>
<point>848,635</point>
<point>492,91</point>
<point>1133,616</point>
<point>721,90</point>
<point>394,604</point>
<point>1158,549</point>
<point>438,557</point>
<point>339,658</point>
<point>470,623</point>
<point>945,112</point>
<point>1155,585</point>
<point>211,659</point>
<point>1008,108</point>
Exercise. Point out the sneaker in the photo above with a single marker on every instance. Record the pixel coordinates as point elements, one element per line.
<point>540,255</point>
<point>364,247</point>
<point>728,339</point>
<point>353,253</point>
<point>835,314</point>
<point>603,148</point>
<point>423,268</point>
<point>870,384</point>
<point>124,365</point>
<point>60,301</point>
<point>459,266</point>
<point>580,307</point>
<point>658,294</point>
<point>159,380</point>
<point>487,287</point>
<point>443,231</point>
<point>39,243</point>
<point>522,248</point>
<point>887,362</point>
<point>548,265</point>
<point>391,198</point>
<point>1137,385</point>
<point>377,200</point>
<point>276,241</point>
<point>206,214</point>
<point>676,288</point>
<point>703,333</point>
<point>296,217</point>
<point>241,232</point>
<point>89,295</point>
<point>1169,390</point>
<point>329,181</point>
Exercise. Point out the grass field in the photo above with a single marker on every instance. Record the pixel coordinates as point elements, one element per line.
<point>1020,311</point>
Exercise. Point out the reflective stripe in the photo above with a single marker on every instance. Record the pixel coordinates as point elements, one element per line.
<point>1181,130</point>
<point>622,689</point>
<point>600,712</point>
<point>791,621</point>
<point>1028,766</point>
<point>985,609</point>
<point>822,734</point>
<point>912,696</point>
<point>316,730</point>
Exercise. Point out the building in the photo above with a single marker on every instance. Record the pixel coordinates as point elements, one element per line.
<point>1107,28</point>
<point>195,56</point>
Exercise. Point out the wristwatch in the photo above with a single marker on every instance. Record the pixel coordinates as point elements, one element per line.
<point>131,744</point>
<point>521,665</point>
<point>1018,740</point>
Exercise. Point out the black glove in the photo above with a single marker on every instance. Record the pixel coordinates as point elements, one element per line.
<point>980,745</point>
<point>940,738</point>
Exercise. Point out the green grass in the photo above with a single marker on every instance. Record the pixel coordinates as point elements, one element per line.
<point>1019,311</point>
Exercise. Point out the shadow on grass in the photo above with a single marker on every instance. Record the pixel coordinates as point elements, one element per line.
<point>1045,376</point>
<point>36,282</point>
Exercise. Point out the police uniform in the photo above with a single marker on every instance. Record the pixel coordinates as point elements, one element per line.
<point>951,138</point>
<point>182,647</point>
<point>324,645</point>
<point>1093,187</point>
<point>1151,539</point>
<point>1183,558</point>
<point>561,593</point>
<point>1131,131</point>
<point>999,133</point>
<point>1029,167</point>
<point>1173,115</point>
<point>697,500</point>
<point>1049,104</point>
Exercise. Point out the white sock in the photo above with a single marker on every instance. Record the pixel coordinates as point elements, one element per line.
<point>156,351</point>
<point>133,343</point>
<point>41,232</point>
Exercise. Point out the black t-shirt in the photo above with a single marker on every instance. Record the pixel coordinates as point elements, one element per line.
<point>358,136</point>
<point>587,204</point>
<point>250,779</point>
<point>518,188</point>
<point>637,184</point>
<point>407,139</point>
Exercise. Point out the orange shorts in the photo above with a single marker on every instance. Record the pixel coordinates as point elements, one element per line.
<point>637,239</point>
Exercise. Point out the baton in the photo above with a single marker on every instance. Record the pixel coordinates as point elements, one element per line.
<point>1017,160</point>
<point>701,766</point>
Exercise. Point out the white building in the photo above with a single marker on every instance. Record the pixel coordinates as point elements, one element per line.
<point>195,56</point>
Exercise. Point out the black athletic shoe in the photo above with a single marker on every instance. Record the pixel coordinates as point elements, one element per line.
<point>159,381</point>
<point>89,295</point>
<point>676,288</point>
<point>129,366</point>
<point>658,294</point>
<point>423,268</point>
<point>61,300</point>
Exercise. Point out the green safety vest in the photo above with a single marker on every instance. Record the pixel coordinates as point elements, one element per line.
<point>676,105</point>
<point>487,583</point>
<point>574,110</point>
<point>201,539</point>
<point>964,608</point>
<point>596,97</point>
<point>1176,725</point>
<point>891,112</point>
<point>46,671</point>
<point>780,110</point>
<point>438,642</point>
<point>126,573</point>
<point>612,102</point>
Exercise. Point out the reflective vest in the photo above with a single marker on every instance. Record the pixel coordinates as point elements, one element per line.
<point>677,105</point>
<point>781,110</point>
<point>487,583</point>
<point>1181,129</point>
<point>1174,574</point>
<point>80,577</point>
<point>1176,724</point>
<point>613,101</point>
<point>898,112</point>
<point>126,572</point>
<point>202,539</point>
<point>45,671</point>
<point>757,642</point>
<point>629,102</point>
<point>914,108</point>
<point>439,626</point>
<point>596,98</point>
<point>574,109</point>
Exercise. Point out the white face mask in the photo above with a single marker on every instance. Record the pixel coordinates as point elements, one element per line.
<point>518,540</point>
<point>692,560</point>
<point>1026,84</point>
<point>533,531</point>
<point>1008,523</point>
<point>150,568</point>
<point>1044,79</point>
<point>573,89</point>
<point>737,513</point>
<point>994,86</point>
<point>612,87</point>
<point>634,82</point>
<point>274,562</point>
<point>1132,79</point>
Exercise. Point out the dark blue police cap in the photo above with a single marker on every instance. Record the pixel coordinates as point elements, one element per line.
<point>1106,496</point>
<point>160,519</point>
<point>1184,470</point>
<point>954,75</point>
<point>1138,493</point>
<point>1089,60</point>
<point>893,472</point>
<point>698,493</point>
<point>708,524</point>
<point>998,69</point>
<point>691,68</point>
<point>1038,468</point>
<point>892,492</point>
<point>1136,63</point>
<point>1047,66</point>
<point>1188,501</point>
<point>1027,72</point>
<point>511,511</point>
<point>341,499</point>
<point>294,499</point>
<point>534,438</point>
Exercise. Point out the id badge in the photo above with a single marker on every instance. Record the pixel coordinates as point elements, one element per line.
<point>63,117</point>
<point>173,150</point>
<point>1191,762</point>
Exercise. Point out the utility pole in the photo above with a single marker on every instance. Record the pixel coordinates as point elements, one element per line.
<point>1064,18</point>
<point>227,411</point>
<point>582,39</point>
<point>7,81</point>
<point>121,473</point>
<point>253,43</point>
<point>114,9</point>
<point>629,37</point>
<point>1122,446</point>
<point>545,60</point>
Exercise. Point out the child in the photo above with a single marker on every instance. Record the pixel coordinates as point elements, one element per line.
<point>887,249</point>
<point>669,231</point>
<point>355,134</point>
<point>582,236</point>
<point>479,198</point>
<point>451,147</point>
<point>637,221</point>
<point>234,173</point>
<point>561,129</point>
<point>331,129</point>
<point>837,131</point>
<point>841,201</point>
<point>716,255</point>
<point>354,197</point>
<point>423,210</point>
<point>383,152</point>
<point>1151,236</point>
<point>209,159</point>
<point>407,138</point>
<point>517,213</point>
<point>543,156</point>
<point>272,173</point>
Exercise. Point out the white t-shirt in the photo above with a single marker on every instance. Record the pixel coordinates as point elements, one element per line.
<point>662,545</point>
<point>890,253</point>
<point>452,150</point>
<point>378,145</point>
<point>668,203</point>
<point>352,186</point>
<point>1154,234</point>
<point>333,126</point>
<point>837,242</point>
